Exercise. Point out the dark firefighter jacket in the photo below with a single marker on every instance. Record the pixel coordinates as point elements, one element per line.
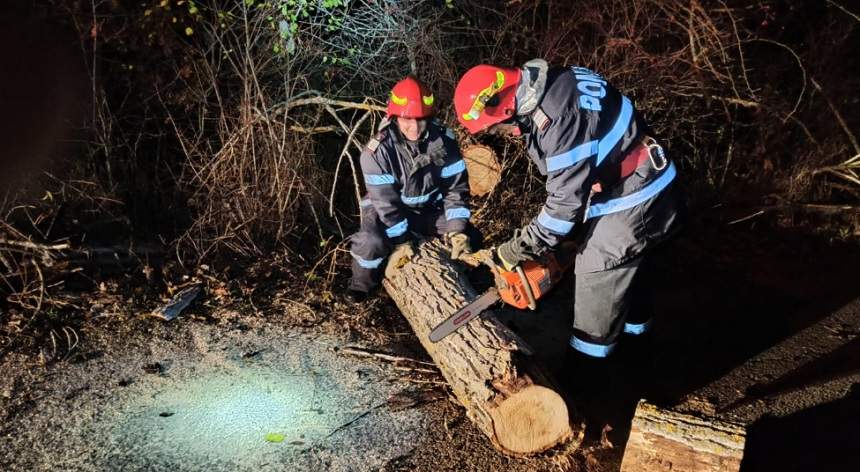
<point>578,135</point>
<point>404,178</point>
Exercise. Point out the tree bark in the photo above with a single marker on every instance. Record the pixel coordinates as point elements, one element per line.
<point>667,440</point>
<point>489,368</point>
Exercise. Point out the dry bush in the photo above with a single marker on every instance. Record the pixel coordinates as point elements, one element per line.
<point>275,104</point>
<point>729,86</point>
<point>232,128</point>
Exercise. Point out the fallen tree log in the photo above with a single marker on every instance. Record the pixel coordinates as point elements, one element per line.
<point>489,368</point>
<point>669,440</point>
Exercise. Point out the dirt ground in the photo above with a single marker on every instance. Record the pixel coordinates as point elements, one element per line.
<point>755,324</point>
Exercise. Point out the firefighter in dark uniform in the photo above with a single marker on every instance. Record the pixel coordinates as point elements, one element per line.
<point>610,187</point>
<point>416,185</point>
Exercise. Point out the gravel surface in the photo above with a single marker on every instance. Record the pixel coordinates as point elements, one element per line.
<point>754,327</point>
<point>207,400</point>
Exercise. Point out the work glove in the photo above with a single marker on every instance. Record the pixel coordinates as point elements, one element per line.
<point>459,243</point>
<point>398,258</point>
<point>513,252</point>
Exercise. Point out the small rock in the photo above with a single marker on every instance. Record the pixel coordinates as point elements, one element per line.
<point>155,368</point>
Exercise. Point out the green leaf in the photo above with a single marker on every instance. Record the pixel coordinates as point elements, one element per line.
<point>275,437</point>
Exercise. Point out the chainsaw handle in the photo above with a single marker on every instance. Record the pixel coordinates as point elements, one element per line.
<point>527,287</point>
<point>475,259</point>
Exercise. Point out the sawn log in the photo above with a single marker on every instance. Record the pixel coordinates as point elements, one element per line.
<point>669,440</point>
<point>489,368</point>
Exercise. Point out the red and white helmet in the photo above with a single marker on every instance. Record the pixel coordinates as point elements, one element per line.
<point>410,99</point>
<point>486,95</point>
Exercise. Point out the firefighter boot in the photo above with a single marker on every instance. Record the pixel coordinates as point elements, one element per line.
<point>597,391</point>
<point>637,358</point>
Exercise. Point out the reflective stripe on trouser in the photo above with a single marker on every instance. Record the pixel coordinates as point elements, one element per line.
<point>370,246</point>
<point>609,303</point>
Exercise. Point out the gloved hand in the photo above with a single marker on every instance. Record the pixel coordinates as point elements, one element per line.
<point>398,258</point>
<point>512,253</point>
<point>460,244</point>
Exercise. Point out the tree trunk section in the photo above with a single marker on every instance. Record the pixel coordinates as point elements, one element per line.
<point>489,368</point>
<point>666,440</point>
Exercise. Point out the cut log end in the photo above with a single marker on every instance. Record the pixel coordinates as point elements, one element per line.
<point>484,169</point>
<point>531,420</point>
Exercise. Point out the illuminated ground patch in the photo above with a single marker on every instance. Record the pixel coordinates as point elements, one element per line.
<point>297,405</point>
<point>227,415</point>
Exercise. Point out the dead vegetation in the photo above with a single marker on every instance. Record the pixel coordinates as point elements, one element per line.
<point>223,132</point>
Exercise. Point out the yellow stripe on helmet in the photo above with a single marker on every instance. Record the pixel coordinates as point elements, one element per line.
<point>427,100</point>
<point>484,96</point>
<point>398,100</point>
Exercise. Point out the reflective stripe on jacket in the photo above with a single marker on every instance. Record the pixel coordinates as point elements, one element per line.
<point>579,135</point>
<point>403,177</point>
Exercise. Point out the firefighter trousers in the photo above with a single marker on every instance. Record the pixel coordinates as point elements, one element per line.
<point>612,302</point>
<point>370,246</point>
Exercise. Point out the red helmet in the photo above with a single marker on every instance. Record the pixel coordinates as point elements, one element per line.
<point>486,95</point>
<point>410,99</point>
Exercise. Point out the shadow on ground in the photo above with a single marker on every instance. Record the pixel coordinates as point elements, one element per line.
<point>760,323</point>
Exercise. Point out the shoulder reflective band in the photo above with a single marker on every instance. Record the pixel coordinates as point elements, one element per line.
<point>367,263</point>
<point>455,213</point>
<point>453,169</point>
<point>636,198</point>
<point>398,229</point>
<point>592,349</point>
<point>554,224</point>
<point>427,100</point>
<point>569,158</point>
<point>379,179</point>
<point>607,144</point>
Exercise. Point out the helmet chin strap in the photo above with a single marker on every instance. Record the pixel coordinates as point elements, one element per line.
<point>521,124</point>
<point>513,126</point>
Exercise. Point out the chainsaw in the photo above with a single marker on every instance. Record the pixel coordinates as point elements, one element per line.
<point>520,288</point>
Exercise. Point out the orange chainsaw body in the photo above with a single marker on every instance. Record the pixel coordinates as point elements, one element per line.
<point>541,277</point>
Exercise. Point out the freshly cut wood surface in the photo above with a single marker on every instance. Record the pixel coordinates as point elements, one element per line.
<point>484,169</point>
<point>489,368</point>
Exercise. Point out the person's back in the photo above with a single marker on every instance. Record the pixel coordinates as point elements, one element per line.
<point>610,188</point>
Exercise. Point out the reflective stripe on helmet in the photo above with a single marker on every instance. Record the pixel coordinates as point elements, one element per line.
<point>484,96</point>
<point>398,100</point>
<point>409,98</point>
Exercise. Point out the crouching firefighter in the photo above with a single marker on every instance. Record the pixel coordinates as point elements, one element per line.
<point>610,187</point>
<point>416,185</point>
